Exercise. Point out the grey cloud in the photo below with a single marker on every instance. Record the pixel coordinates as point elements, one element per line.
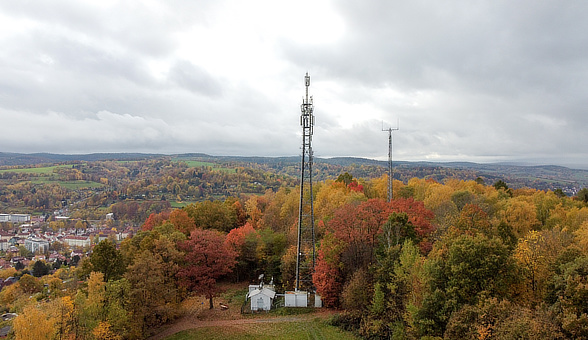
<point>195,79</point>
<point>484,80</point>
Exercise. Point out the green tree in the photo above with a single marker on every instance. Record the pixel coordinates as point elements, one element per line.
<point>397,229</point>
<point>345,178</point>
<point>40,269</point>
<point>583,195</point>
<point>460,272</point>
<point>568,296</point>
<point>107,260</point>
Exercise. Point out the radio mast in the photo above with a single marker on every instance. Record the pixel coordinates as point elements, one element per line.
<point>305,257</point>
<point>390,169</point>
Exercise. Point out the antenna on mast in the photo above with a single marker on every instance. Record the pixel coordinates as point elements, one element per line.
<point>390,168</point>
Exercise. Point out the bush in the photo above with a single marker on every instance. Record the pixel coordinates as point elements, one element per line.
<point>348,321</point>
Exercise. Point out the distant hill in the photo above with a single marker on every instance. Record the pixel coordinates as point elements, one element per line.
<point>16,159</point>
<point>544,177</point>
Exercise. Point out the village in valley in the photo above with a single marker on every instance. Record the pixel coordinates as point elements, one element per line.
<point>25,239</point>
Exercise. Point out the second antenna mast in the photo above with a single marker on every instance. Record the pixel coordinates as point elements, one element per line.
<point>390,168</point>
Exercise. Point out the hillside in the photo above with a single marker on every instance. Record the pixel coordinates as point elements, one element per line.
<point>542,177</point>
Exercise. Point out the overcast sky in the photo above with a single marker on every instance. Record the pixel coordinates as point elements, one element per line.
<point>478,81</point>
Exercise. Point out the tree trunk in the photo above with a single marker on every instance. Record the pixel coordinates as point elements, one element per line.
<point>210,299</point>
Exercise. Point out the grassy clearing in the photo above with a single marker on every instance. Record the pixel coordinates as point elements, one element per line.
<point>294,330</point>
<point>197,164</point>
<point>179,205</point>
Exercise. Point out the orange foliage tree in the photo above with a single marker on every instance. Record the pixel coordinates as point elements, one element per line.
<point>181,221</point>
<point>244,241</point>
<point>154,220</point>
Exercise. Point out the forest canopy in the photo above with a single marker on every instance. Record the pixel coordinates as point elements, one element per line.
<point>446,259</point>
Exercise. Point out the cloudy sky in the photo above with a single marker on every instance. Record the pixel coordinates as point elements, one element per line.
<point>478,81</point>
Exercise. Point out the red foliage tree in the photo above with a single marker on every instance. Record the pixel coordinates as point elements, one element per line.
<point>207,259</point>
<point>419,216</point>
<point>155,220</point>
<point>327,276</point>
<point>354,186</point>
<point>237,237</point>
<point>358,227</point>
<point>244,241</point>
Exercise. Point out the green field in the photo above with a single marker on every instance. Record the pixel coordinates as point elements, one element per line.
<point>47,175</point>
<point>196,164</point>
<point>268,330</point>
<point>179,205</point>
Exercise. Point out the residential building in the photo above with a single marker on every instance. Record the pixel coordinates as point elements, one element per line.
<point>77,241</point>
<point>36,245</point>
<point>15,218</point>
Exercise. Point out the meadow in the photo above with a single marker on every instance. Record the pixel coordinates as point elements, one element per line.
<point>315,328</point>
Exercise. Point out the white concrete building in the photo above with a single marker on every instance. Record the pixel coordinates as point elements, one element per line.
<point>36,245</point>
<point>15,218</point>
<point>77,241</point>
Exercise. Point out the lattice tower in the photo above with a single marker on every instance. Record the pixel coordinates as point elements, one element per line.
<point>390,168</point>
<point>305,258</point>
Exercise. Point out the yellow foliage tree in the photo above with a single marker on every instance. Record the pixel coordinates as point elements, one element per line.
<point>63,313</point>
<point>96,295</point>
<point>576,217</point>
<point>530,257</point>
<point>581,236</point>
<point>34,324</point>
<point>254,206</point>
<point>521,215</point>
<point>6,273</point>
<point>419,188</point>
<point>103,332</point>
<point>333,195</point>
<point>377,188</point>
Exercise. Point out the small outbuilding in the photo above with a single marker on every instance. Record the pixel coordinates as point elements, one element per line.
<point>261,298</point>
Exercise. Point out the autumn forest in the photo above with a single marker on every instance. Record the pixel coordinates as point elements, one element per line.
<point>448,257</point>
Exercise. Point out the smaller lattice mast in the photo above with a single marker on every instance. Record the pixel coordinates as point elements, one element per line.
<point>390,168</point>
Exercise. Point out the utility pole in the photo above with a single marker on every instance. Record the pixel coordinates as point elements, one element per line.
<point>305,251</point>
<point>390,169</point>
